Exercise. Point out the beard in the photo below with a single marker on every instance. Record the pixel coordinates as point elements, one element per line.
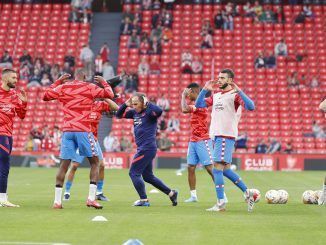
<point>11,85</point>
<point>223,86</point>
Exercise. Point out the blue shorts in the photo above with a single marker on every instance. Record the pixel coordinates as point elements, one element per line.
<point>223,149</point>
<point>79,159</point>
<point>200,152</point>
<point>71,141</point>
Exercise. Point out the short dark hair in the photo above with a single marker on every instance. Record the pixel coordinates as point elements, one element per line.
<point>193,85</point>
<point>229,72</point>
<point>7,71</point>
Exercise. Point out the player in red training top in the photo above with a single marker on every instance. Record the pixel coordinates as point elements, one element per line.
<point>99,107</point>
<point>12,103</point>
<point>77,98</point>
<point>200,147</point>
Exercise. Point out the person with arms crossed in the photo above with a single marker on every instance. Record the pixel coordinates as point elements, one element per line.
<point>12,103</point>
<point>145,117</point>
<point>77,97</point>
<point>200,148</point>
<point>98,108</point>
<point>225,116</point>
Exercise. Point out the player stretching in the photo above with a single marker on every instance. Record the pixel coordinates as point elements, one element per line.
<point>145,117</point>
<point>77,98</point>
<point>225,115</point>
<point>98,108</point>
<point>12,103</point>
<point>200,147</point>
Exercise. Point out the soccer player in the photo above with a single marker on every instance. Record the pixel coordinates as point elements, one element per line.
<point>225,116</point>
<point>98,108</point>
<point>200,147</point>
<point>322,199</point>
<point>145,117</point>
<point>12,103</point>
<point>77,97</point>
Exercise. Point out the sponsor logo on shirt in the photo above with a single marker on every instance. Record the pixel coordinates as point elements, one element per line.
<point>137,121</point>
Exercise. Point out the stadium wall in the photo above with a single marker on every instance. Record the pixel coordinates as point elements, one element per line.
<point>247,162</point>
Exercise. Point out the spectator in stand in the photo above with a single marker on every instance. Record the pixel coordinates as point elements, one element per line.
<point>47,143</point>
<point>162,124</point>
<point>157,32</point>
<point>105,52</point>
<point>108,71</point>
<point>300,19</point>
<point>155,46</point>
<point>144,47</point>
<point>164,103</point>
<point>45,81</point>
<point>274,146</point>
<point>70,59</point>
<point>154,66</point>
<point>37,136</point>
<point>241,141</point>
<point>156,5</point>
<point>87,58</point>
<point>258,9</point>
<point>207,40</point>
<point>173,124</point>
<point>29,146</point>
<point>281,49</point>
<point>25,59</point>
<point>186,62</point>
<point>152,99</point>
<point>132,83</point>
<point>229,8</point>
<point>164,143</point>
<point>98,65</point>
<point>207,27</point>
<point>56,137</point>
<point>38,64</point>
<point>260,61</point>
<point>156,18</point>
<point>197,66</point>
<point>314,82</point>
<point>228,22</point>
<point>24,72</point>
<point>125,144</point>
<point>166,18</point>
<point>128,14</point>
<point>261,148</point>
<point>133,40</point>
<point>293,80</point>
<point>279,15</point>
<point>126,27</point>
<point>303,80</point>
<point>35,79</point>
<point>270,61</point>
<point>146,4</point>
<point>317,130</point>
<point>248,10</point>
<point>167,35</point>
<point>67,69</point>
<point>288,148</point>
<point>219,20</point>
<point>6,60</point>
<point>136,26</point>
<point>55,72</point>
<point>111,143</point>
<point>268,16</point>
<point>143,67</point>
<point>307,11</point>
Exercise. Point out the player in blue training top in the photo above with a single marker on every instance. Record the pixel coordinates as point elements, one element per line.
<point>145,117</point>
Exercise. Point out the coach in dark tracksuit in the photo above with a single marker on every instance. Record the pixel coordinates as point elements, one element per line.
<point>145,117</point>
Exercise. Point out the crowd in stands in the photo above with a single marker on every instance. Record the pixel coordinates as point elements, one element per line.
<point>44,139</point>
<point>81,11</point>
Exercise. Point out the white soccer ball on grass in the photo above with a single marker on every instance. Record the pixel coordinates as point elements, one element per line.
<point>272,197</point>
<point>284,196</point>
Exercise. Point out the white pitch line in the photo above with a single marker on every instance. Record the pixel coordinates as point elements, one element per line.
<point>34,243</point>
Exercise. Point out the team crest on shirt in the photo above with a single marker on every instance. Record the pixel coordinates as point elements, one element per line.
<point>137,121</point>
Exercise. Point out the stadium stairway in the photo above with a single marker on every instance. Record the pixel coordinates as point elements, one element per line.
<point>106,28</point>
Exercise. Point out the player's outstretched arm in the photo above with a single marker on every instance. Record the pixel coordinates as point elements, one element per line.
<point>185,108</point>
<point>53,92</point>
<point>121,111</point>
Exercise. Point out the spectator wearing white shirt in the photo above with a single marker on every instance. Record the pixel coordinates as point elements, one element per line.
<point>108,71</point>
<point>173,124</point>
<point>281,49</point>
<point>111,143</point>
<point>163,103</point>
<point>87,57</point>
<point>143,67</point>
<point>186,62</point>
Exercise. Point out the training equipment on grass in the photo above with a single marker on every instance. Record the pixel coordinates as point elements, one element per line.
<point>284,196</point>
<point>272,197</point>
<point>309,197</point>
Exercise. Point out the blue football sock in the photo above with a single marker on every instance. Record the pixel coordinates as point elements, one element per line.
<point>100,186</point>
<point>219,183</point>
<point>68,186</point>
<point>235,179</point>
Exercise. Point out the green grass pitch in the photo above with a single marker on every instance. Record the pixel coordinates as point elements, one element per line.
<point>35,221</point>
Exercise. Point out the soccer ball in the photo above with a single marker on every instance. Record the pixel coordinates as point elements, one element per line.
<point>233,167</point>
<point>318,195</point>
<point>272,196</point>
<point>309,197</point>
<point>284,196</point>
<point>256,195</point>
